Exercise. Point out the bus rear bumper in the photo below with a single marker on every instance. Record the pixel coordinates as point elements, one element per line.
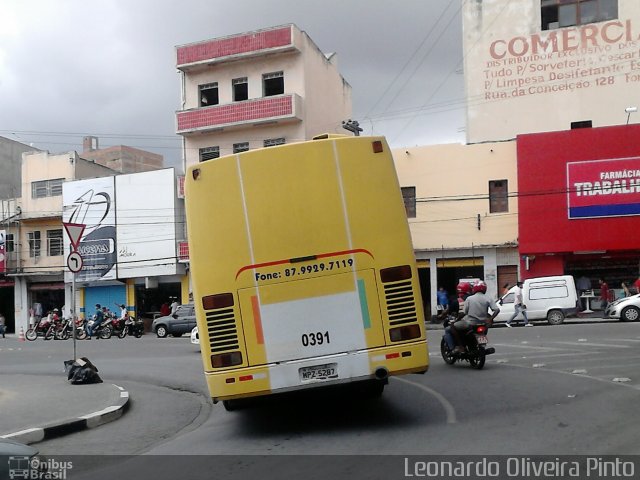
<point>376,363</point>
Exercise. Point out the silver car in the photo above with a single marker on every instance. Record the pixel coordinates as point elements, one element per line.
<point>626,309</point>
<point>182,321</point>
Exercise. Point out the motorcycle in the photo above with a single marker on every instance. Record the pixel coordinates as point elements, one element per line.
<point>41,329</point>
<point>64,330</point>
<point>130,326</point>
<point>475,345</point>
<point>103,330</point>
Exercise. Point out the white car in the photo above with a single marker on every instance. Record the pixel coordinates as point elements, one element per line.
<point>626,309</point>
<point>195,338</point>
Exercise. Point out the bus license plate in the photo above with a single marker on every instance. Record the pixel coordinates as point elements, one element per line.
<point>319,372</point>
<point>482,340</point>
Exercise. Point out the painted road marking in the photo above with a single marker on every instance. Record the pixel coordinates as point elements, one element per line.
<point>448,407</point>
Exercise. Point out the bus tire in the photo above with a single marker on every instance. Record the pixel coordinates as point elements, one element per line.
<point>231,405</point>
<point>374,389</point>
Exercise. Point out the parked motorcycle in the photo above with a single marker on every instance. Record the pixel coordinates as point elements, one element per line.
<point>116,323</point>
<point>475,346</point>
<point>64,330</point>
<point>130,326</point>
<point>40,329</point>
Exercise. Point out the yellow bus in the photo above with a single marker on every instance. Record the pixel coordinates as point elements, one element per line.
<point>303,269</point>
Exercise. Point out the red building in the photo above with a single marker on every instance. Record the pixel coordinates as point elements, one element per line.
<point>579,203</point>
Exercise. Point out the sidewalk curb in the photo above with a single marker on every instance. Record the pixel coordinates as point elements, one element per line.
<point>567,321</point>
<point>72,425</point>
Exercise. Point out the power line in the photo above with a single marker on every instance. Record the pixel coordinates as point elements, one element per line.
<point>415,52</point>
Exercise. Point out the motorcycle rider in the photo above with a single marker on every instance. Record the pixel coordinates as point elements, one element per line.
<point>123,312</point>
<point>463,289</point>
<point>98,318</point>
<point>476,311</point>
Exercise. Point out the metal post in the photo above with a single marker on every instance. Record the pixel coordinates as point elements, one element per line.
<point>73,313</point>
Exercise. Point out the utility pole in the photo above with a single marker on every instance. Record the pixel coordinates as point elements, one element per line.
<point>353,126</point>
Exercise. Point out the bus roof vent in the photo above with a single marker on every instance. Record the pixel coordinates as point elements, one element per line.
<point>326,136</point>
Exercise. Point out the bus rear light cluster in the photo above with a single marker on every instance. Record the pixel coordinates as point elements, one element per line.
<point>226,359</point>
<point>395,274</point>
<point>407,332</point>
<point>243,378</point>
<point>221,300</point>
<point>390,356</point>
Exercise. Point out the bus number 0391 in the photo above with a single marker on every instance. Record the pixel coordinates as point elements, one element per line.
<point>317,338</point>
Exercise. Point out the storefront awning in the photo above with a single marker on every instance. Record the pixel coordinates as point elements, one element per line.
<point>460,262</point>
<point>46,286</point>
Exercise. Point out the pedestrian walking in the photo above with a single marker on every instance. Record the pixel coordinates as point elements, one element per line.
<point>174,306</point>
<point>3,325</point>
<point>604,293</point>
<point>519,307</point>
<point>625,290</point>
<point>442,304</point>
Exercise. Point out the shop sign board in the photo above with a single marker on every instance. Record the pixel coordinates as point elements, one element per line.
<point>603,188</point>
<point>91,203</point>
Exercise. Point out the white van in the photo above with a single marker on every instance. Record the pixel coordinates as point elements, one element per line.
<point>550,298</point>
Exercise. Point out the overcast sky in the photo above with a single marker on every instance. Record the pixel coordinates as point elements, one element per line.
<point>70,68</point>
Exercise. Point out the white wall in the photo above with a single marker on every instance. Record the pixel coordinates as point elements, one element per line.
<point>146,216</point>
<point>515,85</point>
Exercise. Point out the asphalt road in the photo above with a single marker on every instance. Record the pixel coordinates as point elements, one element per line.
<point>570,389</point>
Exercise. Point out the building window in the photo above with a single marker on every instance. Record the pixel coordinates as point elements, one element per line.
<point>209,153</point>
<point>34,244</point>
<point>273,84</point>
<point>10,245</point>
<point>272,142</point>
<point>498,196</point>
<point>240,89</point>
<point>567,13</point>
<point>46,188</point>
<point>209,94</point>
<point>409,197</point>
<point>240,147</point>
<point>54,243</point>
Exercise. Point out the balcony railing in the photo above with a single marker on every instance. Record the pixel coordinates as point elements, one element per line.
<point>183,251</point>
<point>281,108</point>
<point>235,46</point>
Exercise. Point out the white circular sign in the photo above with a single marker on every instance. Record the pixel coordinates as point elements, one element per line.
<point>74,262</point>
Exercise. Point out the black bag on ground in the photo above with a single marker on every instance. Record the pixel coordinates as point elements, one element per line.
<point>81,371</point>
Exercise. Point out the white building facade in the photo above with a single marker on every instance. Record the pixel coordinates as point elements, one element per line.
<point>547,65</point>
<point>257,89</point>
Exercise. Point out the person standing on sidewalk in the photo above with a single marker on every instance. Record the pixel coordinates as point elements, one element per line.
<point>604,294</point>
<point>2,325</point>
<point>519,307</point>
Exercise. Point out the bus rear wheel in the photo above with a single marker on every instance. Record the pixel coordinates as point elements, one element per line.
<point>232,405</point>
<point>371,388</point>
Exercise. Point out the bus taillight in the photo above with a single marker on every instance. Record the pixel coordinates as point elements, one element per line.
<point>222,300</point>
<point>407,332</point>
<point>226,359</point>
<point>395,274</point>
